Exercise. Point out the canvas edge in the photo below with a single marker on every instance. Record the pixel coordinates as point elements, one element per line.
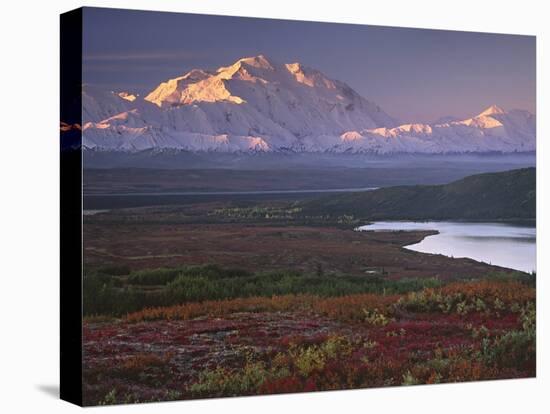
<point>71,207</point>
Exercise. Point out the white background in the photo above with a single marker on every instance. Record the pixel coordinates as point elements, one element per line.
<point>29,329</point>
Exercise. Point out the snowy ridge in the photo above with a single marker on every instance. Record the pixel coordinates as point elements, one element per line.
<point>256,104</point>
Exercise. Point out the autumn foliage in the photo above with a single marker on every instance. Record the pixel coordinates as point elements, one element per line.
<point>464,331</point>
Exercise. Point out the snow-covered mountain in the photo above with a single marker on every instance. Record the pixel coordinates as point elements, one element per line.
<point>259,105</point>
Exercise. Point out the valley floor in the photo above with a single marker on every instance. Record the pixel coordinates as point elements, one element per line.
<point>332,250</point>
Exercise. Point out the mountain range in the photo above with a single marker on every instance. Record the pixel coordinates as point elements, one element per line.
<point>258,105</point>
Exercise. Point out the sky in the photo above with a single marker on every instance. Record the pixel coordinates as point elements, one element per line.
<point>415,75</point>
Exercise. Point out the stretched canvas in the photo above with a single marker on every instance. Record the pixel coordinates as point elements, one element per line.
<point>257,206</point>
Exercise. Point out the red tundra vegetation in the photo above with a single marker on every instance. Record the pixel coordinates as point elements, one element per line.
<point>463,331</point>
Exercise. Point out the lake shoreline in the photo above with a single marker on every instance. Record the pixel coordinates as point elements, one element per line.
<point>508,244</point>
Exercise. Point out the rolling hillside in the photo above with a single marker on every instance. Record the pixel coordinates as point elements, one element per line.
<point>491,196</point>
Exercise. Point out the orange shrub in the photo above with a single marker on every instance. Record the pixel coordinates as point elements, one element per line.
<point>216,308</point>
<point>465,297</point>
<point>507,291</point>
<point>351,307</point>
<point>136,364</point>
<point>458,297</point>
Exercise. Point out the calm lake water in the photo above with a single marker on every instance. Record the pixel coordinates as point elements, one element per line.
<point>506,245</point>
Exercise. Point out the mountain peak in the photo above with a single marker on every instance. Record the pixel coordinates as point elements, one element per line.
<point>492,110</point>
<point>196,74</point>
<point>128,96</point>
<point>294,67</point>
<point>258,62</point>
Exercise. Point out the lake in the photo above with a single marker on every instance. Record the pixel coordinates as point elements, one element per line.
<point>502,244</point>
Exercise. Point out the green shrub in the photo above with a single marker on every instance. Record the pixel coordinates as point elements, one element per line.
<point>160,276</point>
<point>409,379</point>
<point>515,348</point>
<point>114,295</point>
<point>223,382</point>
<point>113,270</point>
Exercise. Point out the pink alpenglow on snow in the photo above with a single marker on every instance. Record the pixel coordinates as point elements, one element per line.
<point>259,105</point>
